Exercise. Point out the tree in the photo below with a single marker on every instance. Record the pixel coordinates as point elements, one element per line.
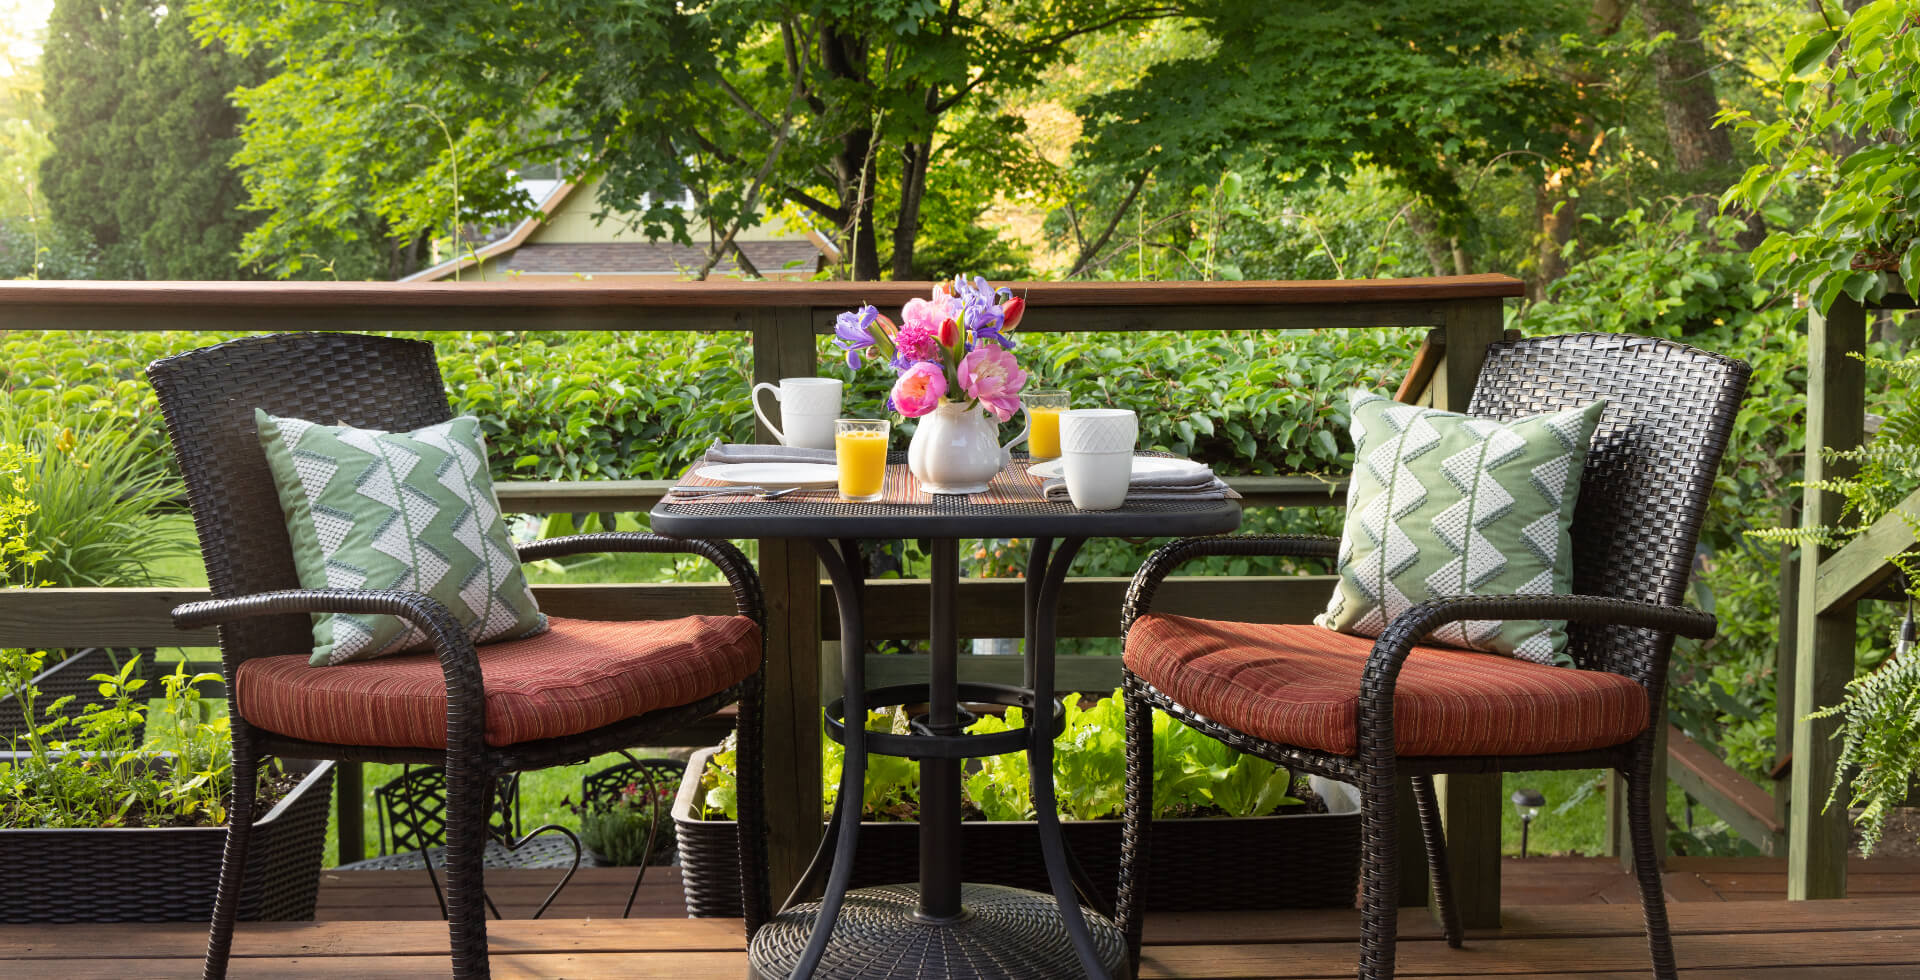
<point>142,130</point>
<point>1433,93</point>
<point>1687,96</point>
<point>835,108</point>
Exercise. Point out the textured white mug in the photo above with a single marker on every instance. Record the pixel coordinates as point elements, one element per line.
<point>1096,455</point>
<point>808,407</point>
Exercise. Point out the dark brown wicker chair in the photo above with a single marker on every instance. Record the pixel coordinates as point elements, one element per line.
<point>1647,479</point>
<point>208,397</point>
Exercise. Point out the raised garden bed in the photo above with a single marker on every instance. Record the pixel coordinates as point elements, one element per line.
<point>169,874</point>
<point>1304,860</point>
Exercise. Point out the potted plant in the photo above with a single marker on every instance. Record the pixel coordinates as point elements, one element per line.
<point>1222,820</point>
<point>113,814</point>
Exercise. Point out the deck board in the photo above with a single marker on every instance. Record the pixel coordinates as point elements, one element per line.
<point>1587,926</point>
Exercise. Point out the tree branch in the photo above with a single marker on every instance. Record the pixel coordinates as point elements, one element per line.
<point>836,215</point>
<point>1087,254</point>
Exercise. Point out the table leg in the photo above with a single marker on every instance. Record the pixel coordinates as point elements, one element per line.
<point>848,591</point>
<point>940,778</point>
<point>1053,846</point>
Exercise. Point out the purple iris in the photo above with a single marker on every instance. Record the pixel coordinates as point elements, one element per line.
<point>853,332</point>
<point>980,310</point>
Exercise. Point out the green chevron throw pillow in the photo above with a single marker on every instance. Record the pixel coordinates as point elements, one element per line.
<point>397,510</point>
<point>1442,504</point>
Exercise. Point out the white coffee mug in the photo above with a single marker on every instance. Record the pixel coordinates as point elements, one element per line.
<point>808,407</point>
<point>1096,455</point>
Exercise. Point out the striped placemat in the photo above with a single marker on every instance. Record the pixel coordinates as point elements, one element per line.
<point>1011,485</point>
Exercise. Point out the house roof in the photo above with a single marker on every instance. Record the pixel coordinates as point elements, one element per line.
<point>499,246</point>
<point>655,258</point>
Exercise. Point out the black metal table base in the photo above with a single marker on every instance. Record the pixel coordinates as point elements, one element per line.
<point>1006,932</point>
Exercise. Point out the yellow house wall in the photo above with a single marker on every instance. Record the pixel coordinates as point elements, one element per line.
<point>573,223</point>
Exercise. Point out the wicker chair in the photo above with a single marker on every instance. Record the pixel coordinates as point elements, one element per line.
<point>208,397</point>
<point>1645,487</point>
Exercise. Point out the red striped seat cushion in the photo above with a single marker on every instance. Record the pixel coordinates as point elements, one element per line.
<point>577,676</point>
<point>1300,685</point>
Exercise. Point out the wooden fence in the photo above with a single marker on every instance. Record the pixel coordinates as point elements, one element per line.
<point>784,321</point>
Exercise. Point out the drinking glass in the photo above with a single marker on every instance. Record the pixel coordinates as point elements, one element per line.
<point>860,449</point>
<point>1044,406</point>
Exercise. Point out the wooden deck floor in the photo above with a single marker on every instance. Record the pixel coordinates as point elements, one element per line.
<point>1563,918</point>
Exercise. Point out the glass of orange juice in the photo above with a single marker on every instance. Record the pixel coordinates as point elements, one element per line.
<point>1044,406</point>
<point>860,447</point>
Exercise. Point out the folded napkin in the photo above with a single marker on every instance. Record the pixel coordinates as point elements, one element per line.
<point>1193,482</point>
<point>734,452</point>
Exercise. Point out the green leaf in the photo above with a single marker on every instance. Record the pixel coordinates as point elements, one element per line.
<point>1813,51</point>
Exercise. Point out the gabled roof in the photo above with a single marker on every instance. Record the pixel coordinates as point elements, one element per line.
<point>514,239</point>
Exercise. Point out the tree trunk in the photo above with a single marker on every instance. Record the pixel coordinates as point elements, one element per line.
<point>1687,97</point>
<point>842,56</point>
<point>913,190</point>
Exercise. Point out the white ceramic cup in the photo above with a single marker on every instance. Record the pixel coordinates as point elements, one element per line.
<point>808,407</point>
<point>1096,455</point>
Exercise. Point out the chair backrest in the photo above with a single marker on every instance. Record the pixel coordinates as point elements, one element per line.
<point>1670,410</point>
<point>208,397</point>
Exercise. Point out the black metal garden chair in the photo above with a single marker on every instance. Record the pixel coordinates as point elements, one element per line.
<point>1670,409</point>
<point>208,397</point>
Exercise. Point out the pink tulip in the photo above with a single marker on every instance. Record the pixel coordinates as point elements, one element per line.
<point>995,377</point>
<point>920,389</point>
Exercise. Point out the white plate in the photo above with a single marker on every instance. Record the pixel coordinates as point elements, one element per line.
<point>773,476</point>
<point>1142,466</point>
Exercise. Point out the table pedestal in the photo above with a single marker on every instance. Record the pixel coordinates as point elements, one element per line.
<point>942,927</point>
<point>1004,932</point>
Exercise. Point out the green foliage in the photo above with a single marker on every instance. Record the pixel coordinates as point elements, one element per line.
<point>90,491</point>
<point>1420,89</point>
<point>1845,132</point>
<point>1194,775</point>
<point>32,247</point>
<point>94,769</point>
<point>1879,743</point>
<point>618,830</point>
<point>142,131</point>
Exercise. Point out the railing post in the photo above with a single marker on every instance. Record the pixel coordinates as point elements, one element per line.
<point>350,811</point>
<point>1817,836</point>
<point>783,347</point>
<point>1470,804</point>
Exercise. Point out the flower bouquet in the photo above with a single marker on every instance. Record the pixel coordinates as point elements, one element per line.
<point>955,367</point>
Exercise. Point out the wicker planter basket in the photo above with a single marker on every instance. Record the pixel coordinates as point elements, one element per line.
<point>1309,860</point>
<point>169,874</point>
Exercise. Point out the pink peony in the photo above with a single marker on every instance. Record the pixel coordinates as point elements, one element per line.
<point>920,389</point>
<point>993,376</point>
<point>916,340</point>
<point>928,312</point>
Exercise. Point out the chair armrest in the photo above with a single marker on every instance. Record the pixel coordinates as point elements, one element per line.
<point>739,572</point>
<point>1162,562</point>
<point>458,661</point>
<point>1396,642</point>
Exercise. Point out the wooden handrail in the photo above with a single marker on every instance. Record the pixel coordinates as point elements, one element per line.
<point>371,296</point>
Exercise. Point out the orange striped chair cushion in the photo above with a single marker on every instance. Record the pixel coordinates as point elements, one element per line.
<point>1300,685</point>
<point>577,676</point>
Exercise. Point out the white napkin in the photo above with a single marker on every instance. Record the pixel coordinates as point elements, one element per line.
<point>735,452</point>
<point>1193,481</point>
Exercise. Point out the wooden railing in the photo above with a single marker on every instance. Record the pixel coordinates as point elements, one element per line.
<point>783,321</point>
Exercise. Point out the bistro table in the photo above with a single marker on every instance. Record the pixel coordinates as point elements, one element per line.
<point>941,927</point>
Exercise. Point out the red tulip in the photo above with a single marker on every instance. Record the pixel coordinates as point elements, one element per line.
<point>1013,310</point>
<point>949,333</point>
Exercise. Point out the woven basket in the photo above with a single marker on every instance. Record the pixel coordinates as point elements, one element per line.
<point>169,874</point>
<point>1309,860</point>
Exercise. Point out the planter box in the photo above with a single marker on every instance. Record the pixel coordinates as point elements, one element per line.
<point>169,874</point>
<point>1309,860</point>
<point>69,677</point>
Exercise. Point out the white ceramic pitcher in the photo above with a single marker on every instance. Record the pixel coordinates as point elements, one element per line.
<point>958,450</point>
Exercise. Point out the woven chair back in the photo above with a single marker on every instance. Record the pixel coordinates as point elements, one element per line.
<point>1670,410</point>
<point>208,397</point>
